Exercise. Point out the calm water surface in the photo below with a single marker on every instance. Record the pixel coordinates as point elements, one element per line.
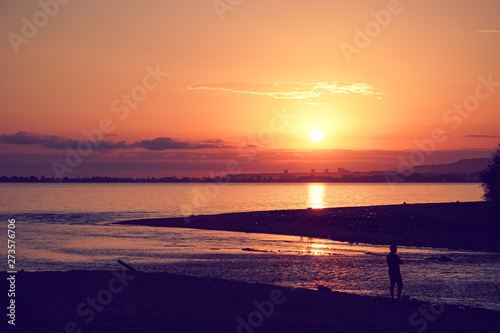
<point>178,199</point>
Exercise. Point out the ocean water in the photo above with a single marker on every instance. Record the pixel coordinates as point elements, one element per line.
<point>90,203</point>
<point>66,226</point>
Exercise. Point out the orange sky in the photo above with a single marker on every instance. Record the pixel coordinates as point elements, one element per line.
<point>231,69</point>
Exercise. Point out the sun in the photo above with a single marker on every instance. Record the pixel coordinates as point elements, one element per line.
<point>316,135</point>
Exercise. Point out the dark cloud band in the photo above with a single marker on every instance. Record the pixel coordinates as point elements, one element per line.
<point>57,142</point>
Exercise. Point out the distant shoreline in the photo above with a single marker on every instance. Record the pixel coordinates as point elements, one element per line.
<point>464,225</point>
<point>415,178</point>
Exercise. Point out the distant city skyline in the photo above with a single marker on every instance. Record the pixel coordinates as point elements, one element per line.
<point>468,168</point>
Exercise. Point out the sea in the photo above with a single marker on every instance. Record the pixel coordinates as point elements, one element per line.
<point>60,227</point>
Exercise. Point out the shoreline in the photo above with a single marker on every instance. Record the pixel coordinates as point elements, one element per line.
<point>457,226</point>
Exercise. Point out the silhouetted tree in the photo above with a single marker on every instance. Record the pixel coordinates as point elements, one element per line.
<point>490,178</point>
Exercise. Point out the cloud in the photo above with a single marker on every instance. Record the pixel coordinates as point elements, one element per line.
<point>54,141</point>
<point>164,143</point>
<point>290,90</point>
<point>483,136</point>
<point>487,31</point>
<point>57,142</point>
<point>26,138</point>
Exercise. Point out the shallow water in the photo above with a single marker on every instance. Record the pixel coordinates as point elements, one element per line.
<point>290,261</point>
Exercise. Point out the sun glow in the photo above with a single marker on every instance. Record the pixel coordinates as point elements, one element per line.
<point>316,135</point>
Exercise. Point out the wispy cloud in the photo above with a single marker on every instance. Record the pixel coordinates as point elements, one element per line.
<point>312,103</point>
<point>486,31</point>
<point>58,142</point>
<point>290,90</point>
<point>483,136</point>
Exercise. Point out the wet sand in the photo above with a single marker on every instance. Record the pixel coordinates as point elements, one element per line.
<point>467,226</point>
<point>162,302</point>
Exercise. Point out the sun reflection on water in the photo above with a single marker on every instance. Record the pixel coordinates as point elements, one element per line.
<point>316,196</point>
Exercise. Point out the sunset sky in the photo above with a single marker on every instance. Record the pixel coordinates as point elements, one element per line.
<point>185,86</point>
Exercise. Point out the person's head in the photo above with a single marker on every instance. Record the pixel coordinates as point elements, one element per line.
<point>394,248</point>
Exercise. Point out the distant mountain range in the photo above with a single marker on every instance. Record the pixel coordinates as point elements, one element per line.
<point>463,166</point>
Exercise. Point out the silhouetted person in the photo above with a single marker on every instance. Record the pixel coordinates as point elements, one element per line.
<point>393,261</point>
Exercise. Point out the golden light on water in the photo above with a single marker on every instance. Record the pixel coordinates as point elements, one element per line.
<point>316,196</point>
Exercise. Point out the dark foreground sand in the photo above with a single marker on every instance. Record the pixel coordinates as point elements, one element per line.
<point>160,302</point>
<point>468,225</point>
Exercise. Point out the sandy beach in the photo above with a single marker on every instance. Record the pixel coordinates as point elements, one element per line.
<point>103,301</point>
<point>469,226</point>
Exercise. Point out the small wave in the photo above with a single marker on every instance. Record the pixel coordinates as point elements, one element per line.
<point>78,218</point>
<point>252,250</point>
